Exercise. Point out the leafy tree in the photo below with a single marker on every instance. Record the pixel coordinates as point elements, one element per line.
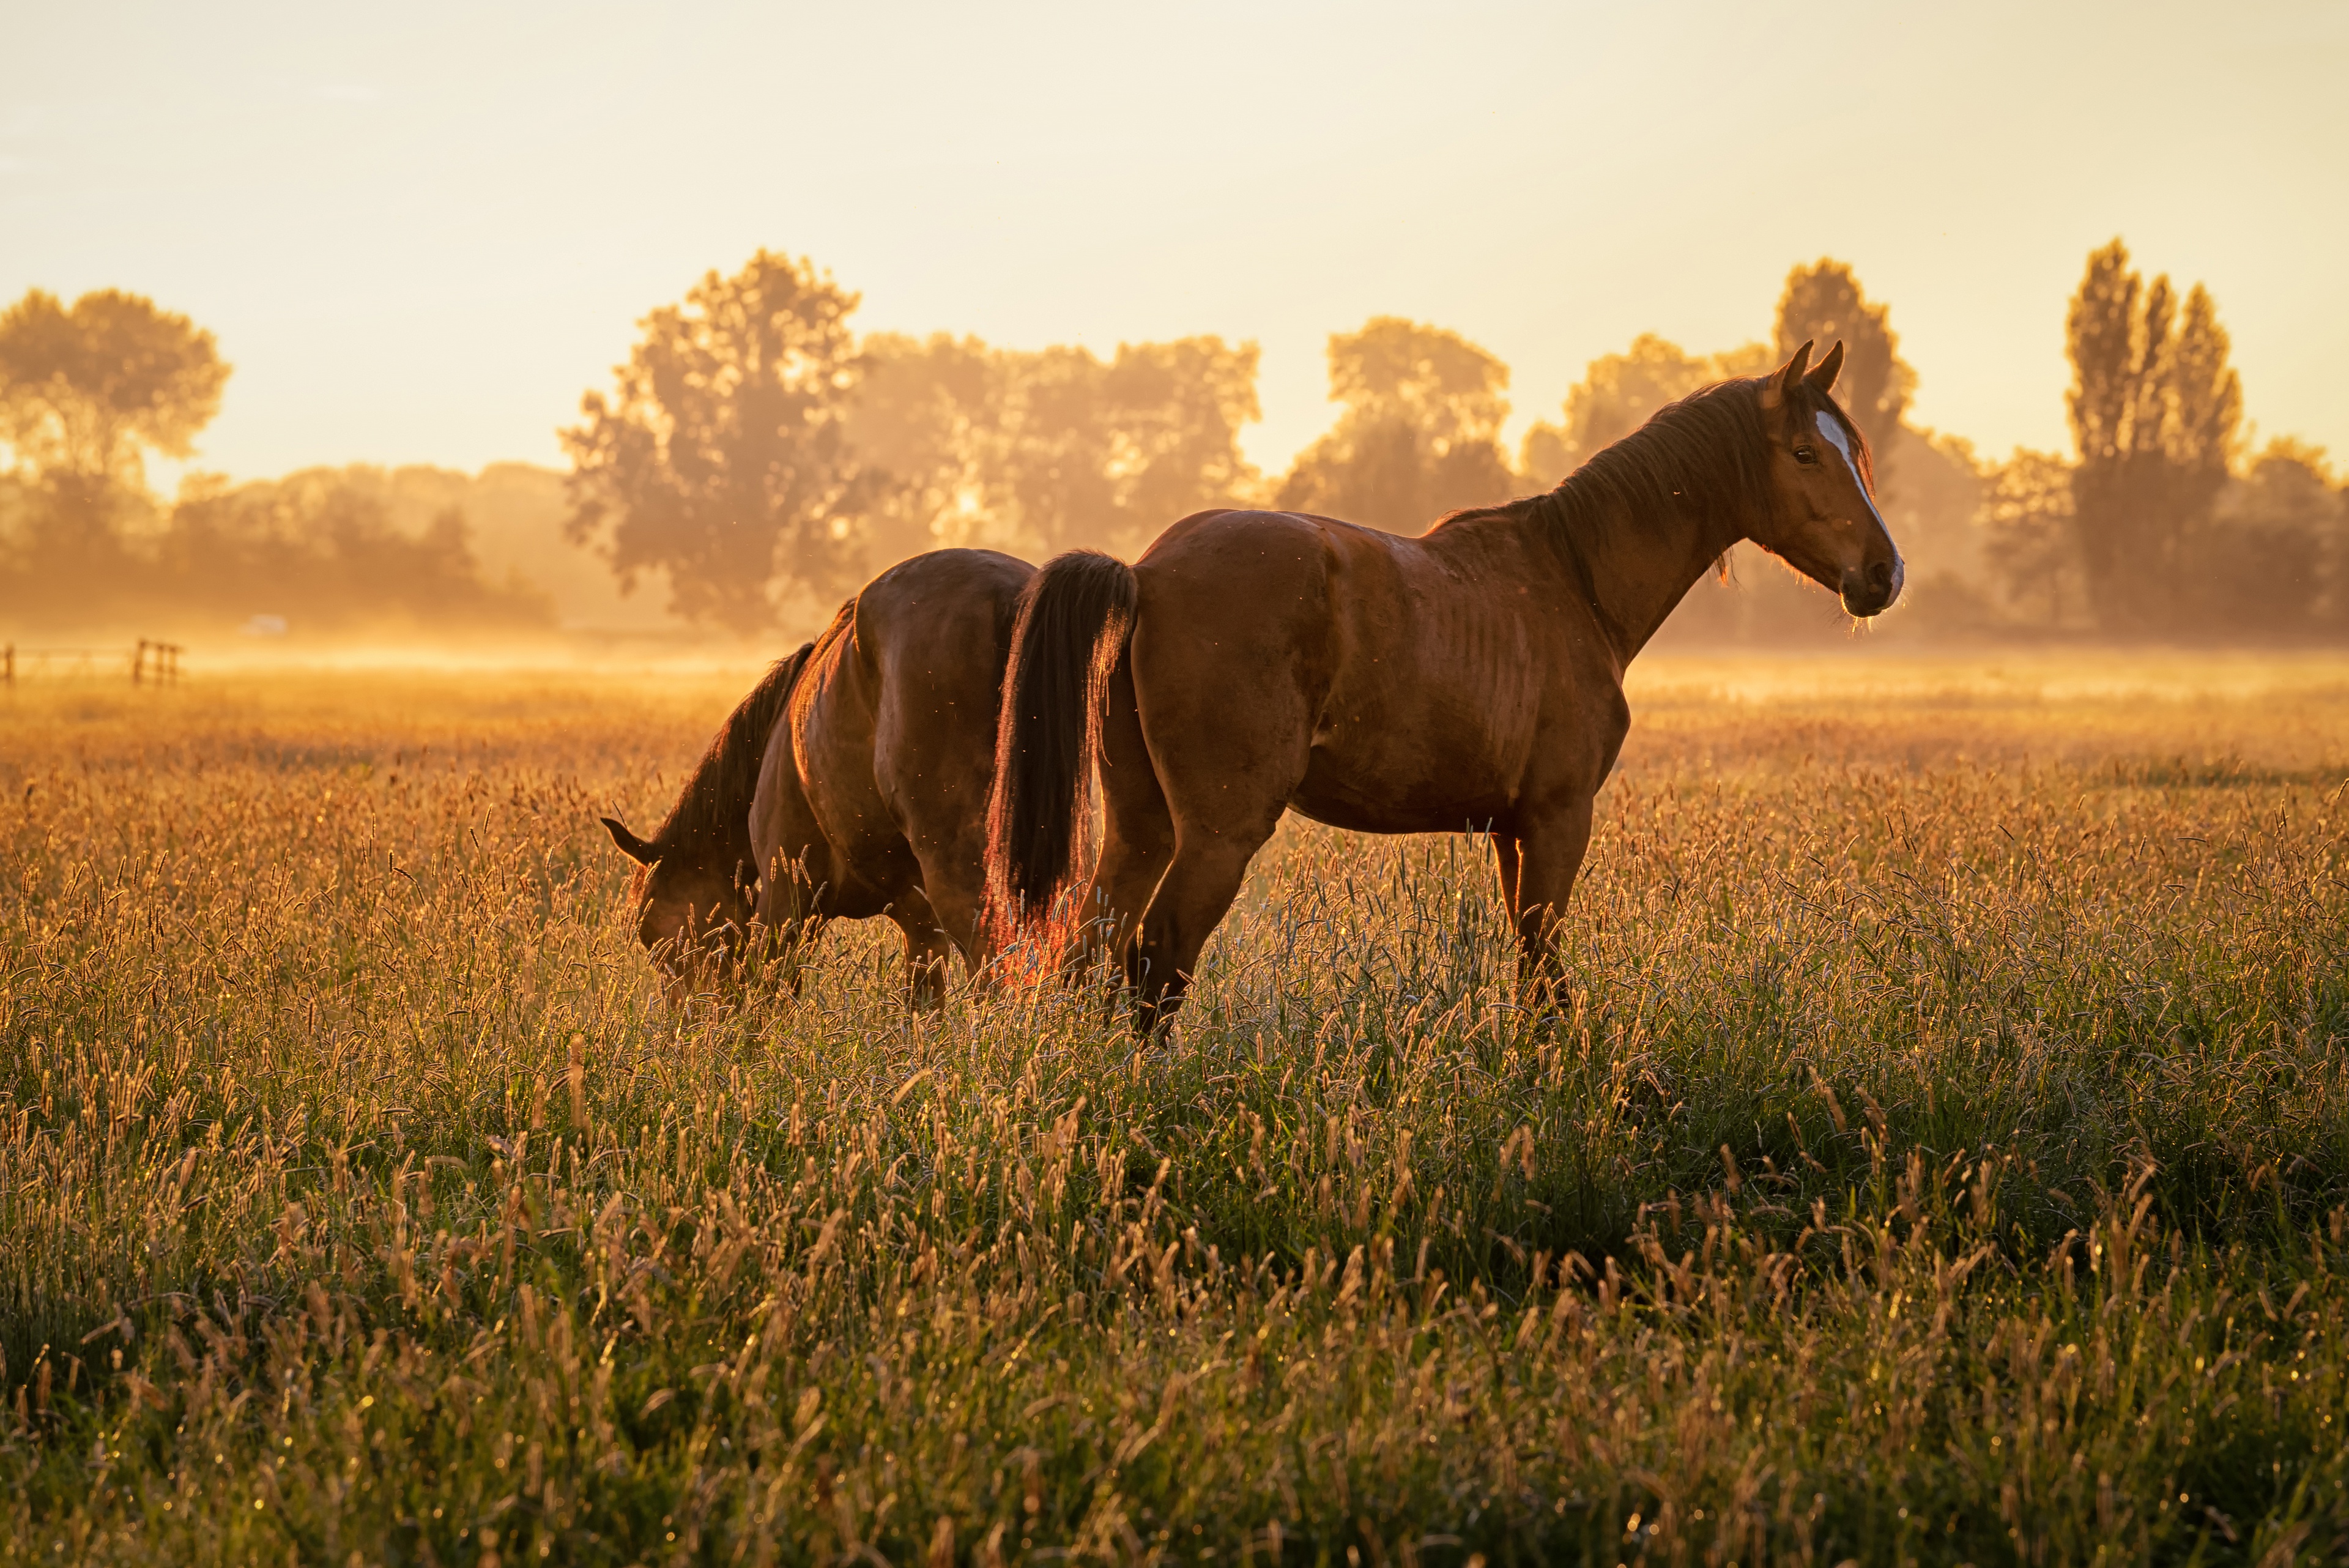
<point>2026,517</point>
<point>1040,450</point>
<point>1419,435</point>
<point>2154,409</point>
<point>1823,303</point>
<point>1618,393</point>
<point>721,455</point>
<point>84,391</point>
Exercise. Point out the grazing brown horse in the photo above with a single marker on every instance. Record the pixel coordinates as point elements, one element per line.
<point>852,782</point>
<point>873,796</point>
<point>1470,679</point>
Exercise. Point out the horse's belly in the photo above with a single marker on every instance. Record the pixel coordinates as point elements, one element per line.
<point>1406,753</point>
<point>1373,796</point>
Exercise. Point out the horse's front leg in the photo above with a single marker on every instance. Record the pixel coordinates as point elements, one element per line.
<point>1537,871</point>
<point>1505,852</point>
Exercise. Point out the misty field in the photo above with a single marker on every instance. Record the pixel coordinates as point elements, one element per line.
<point>1940,1153</point>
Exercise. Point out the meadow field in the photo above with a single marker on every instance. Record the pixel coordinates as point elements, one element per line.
<point>1939,1153</point>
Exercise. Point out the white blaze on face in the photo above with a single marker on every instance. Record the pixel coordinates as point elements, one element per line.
<point>1831,432</point>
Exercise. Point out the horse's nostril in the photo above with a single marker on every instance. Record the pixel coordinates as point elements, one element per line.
<point>1879,576</point>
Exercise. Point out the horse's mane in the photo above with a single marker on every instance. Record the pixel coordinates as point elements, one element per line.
<point>713,809</point>
<point>1708,453</point>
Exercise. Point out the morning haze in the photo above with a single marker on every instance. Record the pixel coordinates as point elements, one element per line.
<point>1233,784</point>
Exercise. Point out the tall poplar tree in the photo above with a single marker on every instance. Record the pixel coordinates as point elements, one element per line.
<point>2154,409</point>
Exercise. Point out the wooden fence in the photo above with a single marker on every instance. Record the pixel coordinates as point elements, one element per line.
<point>151,661</point>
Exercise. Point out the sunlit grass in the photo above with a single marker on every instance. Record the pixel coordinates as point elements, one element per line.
<point>1940,1152</point>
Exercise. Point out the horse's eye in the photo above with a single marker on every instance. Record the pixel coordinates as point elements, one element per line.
<point>1806,454</point>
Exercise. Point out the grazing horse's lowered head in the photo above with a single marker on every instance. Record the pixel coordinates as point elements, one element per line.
<point>1825,524</point>
<point>695,884</point>
<point>691,916</point>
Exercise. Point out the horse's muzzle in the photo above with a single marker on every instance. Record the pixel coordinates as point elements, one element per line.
<point>1870,589</point>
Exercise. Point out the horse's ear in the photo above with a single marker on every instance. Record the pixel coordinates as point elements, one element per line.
<point>1823,376</point>
<point>1795,367</point>
<point>634,848</point>
<point>1782,380</point>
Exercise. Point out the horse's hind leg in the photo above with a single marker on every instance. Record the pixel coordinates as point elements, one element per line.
<point>1219,824</point>
<point>1231,735</point>
<point>954,888</point>
<point>1192,900</point>
<point>1504,851</point>
<point>1138,834</point>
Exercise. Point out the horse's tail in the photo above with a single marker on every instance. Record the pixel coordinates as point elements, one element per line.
<point>1076,616</point>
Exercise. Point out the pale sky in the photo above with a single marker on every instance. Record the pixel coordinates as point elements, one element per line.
<point>422,232</point>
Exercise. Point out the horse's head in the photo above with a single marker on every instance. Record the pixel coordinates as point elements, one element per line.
<point>691,914</point>
<point>1824,522</point>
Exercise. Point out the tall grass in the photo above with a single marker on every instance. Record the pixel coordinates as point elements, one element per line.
<point>1940,1154</point>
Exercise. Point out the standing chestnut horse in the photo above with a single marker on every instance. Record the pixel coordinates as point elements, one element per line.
<point>1470,679</point>
<point>852,782</point>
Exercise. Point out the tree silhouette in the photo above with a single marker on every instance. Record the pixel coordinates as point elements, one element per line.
<point>1178,408</point>
<point>1823,303</point>
<point>1420,432</point>
<point>81,390</point>
<point>84,391</point>
<point>2154,407</point>
<point>721,458</point>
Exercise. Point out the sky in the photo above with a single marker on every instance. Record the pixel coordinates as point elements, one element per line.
<point>422,232</point>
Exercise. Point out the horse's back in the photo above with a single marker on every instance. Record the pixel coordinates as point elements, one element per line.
<point>934,633</point>
<point>923,619</point>
<point>897,751</point>
<point>1397,676</point>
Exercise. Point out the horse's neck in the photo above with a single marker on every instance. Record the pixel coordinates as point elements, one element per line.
<point>711,817</point>
<point>1636,569</point>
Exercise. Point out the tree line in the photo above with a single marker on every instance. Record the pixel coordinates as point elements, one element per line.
<point>87,392</point>
<point>2160,521</point>
<point>753,446</point>
<point>757,457</point>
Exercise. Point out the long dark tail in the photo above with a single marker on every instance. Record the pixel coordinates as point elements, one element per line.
<point>1075,616</point>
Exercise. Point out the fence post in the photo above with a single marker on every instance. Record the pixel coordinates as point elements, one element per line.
<point>138,662</point>
<point>8,665</point>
